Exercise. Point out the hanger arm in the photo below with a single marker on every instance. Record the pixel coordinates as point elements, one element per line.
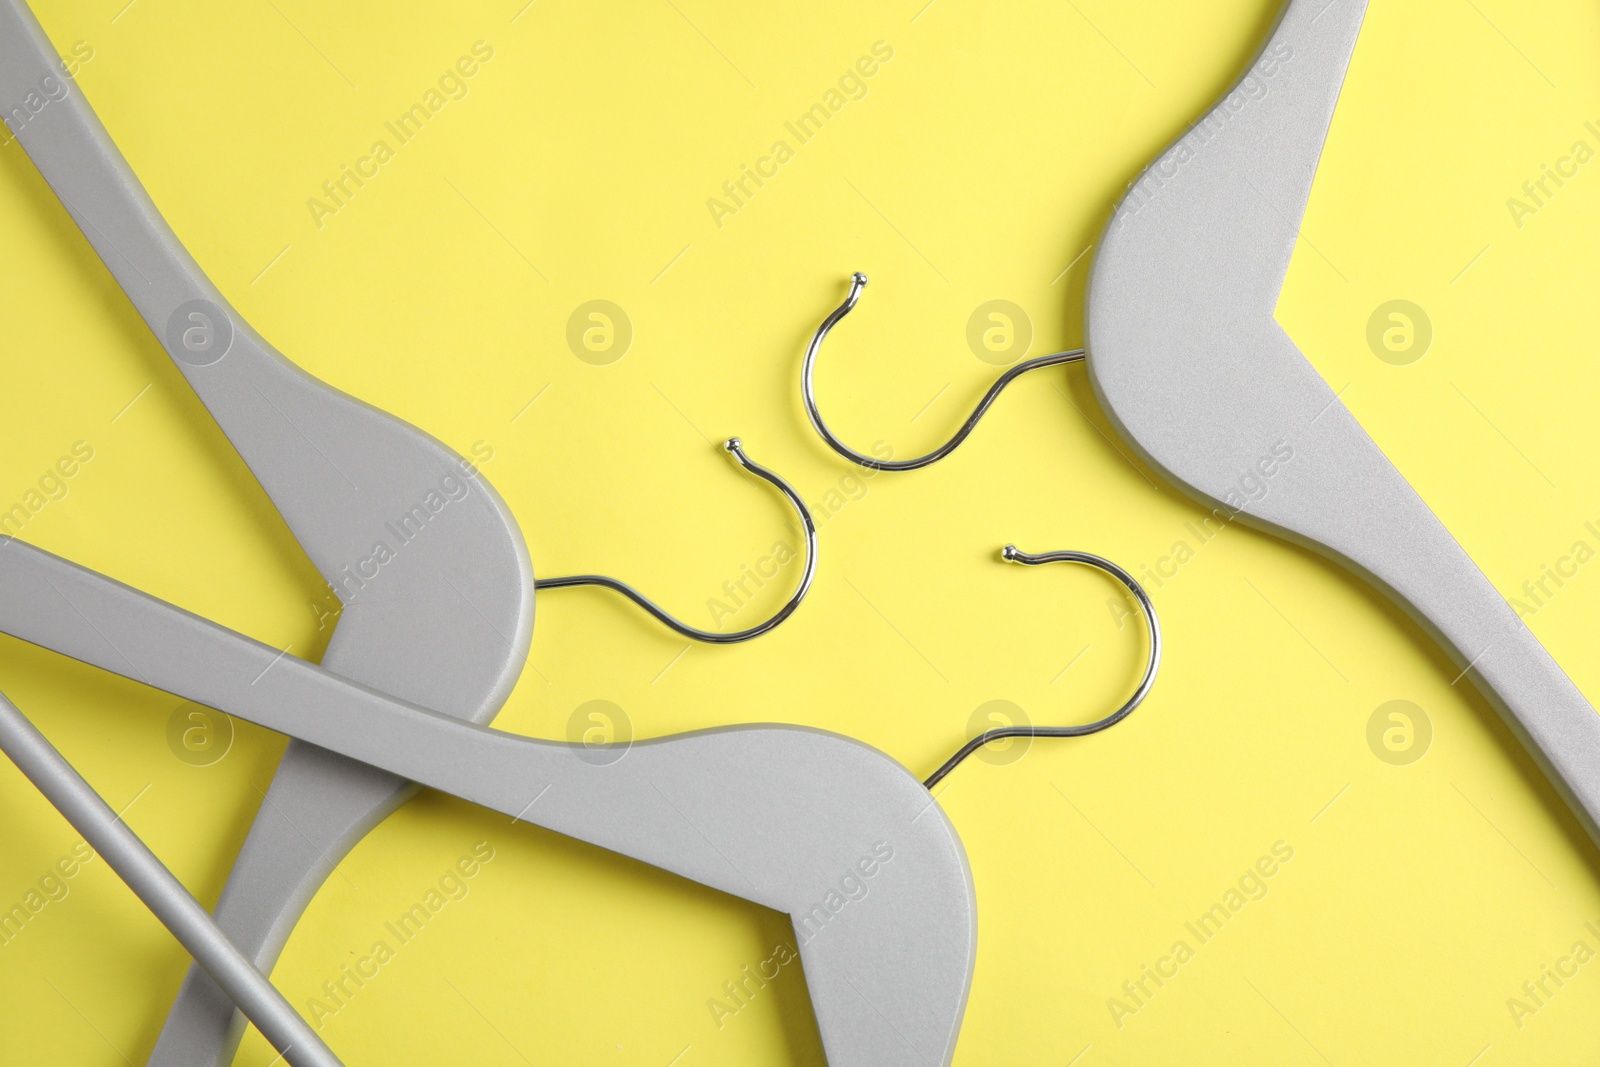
<point>775,814</point>
<point>162,893</point>
<point>1197,375</point>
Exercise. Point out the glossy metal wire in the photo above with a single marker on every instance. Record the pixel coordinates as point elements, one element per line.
<point>736,449</point>
<point>858,282</point>
<point>1012,555</point>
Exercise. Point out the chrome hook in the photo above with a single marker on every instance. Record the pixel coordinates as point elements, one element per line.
<point>858,282</point>
<point>735,448</point>
<point>1012,555</point>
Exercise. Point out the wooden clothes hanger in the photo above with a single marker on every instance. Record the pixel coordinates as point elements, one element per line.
<point>1196,374</point>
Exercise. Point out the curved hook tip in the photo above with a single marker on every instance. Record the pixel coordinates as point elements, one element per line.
<point>1011,554</point>
<point>858,282</point>
<point>734,447</point>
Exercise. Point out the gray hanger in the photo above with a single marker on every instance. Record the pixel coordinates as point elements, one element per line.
<point>768,813</point>
<point>1196,374</point>
<point>825,829</point>
<point>345,477</point>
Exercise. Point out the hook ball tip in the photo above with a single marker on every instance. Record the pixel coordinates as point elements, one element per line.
<point>1009,553</point>
<point>733,444</point>
<point>858,278</point>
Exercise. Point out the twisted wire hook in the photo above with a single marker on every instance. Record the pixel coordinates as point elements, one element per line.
<point>1011,555</point>
<point>736,449</point>
<point>858,282</point>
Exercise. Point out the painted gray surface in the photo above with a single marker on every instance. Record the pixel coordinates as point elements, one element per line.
<point>1196,374</point>
<point>778,815</point>
<point>445,623</point>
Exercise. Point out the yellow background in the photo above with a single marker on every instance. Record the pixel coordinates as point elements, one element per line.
<point>981,165</point>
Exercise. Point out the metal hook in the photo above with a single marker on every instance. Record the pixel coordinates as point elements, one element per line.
<point>735,448</point>
<point>858,282</point>
<point>1011,555</point>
